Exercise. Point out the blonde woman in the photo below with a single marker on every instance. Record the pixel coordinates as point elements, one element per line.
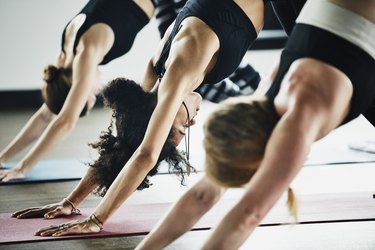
<point>325,78</point>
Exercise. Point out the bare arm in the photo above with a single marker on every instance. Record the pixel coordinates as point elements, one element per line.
<point>182,68</point>
<point>279,167</point>
<point>32,130</point>
<point>187,71</point>
<point>90,50</point>
<point>64,207</point>
<point>199,199</point>
<point>313,109</point>
<point>84,70</point>
<point>170,97</point>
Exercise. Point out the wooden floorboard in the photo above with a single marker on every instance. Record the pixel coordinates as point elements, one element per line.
<point>332,236</point>
<point>312,180</point>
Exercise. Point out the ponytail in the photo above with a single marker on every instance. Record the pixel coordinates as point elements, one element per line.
<point>292,204</point>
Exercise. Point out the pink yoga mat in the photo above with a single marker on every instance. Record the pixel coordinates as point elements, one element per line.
<point>139,219</point>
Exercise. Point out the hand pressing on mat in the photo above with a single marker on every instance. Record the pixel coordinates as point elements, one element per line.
<point>11,174</point>
<point>63,208</point>
<point>89,225</point>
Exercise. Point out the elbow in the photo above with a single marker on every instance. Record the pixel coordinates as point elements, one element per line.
<point>65,123</point>
<point>206,198</point>
<point>250,218</point>
<point>147,158</point>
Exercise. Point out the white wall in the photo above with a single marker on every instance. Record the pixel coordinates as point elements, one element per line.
<point>30,38</point>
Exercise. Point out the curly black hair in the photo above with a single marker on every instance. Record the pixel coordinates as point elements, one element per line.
<point>132,109</point>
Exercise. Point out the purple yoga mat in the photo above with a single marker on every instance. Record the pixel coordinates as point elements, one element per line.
<point>128,220</point>
<point>139,219</point>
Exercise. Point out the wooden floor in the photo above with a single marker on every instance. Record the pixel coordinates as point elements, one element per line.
<point>311,180</point>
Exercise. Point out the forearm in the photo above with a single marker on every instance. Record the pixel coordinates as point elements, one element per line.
<point>83,189</point>
<point>29,133</point>
<point>233,230</point>
<point>54,134</point>
<point>285,153</point>
<point>124,185</point>
<point>199,199</point>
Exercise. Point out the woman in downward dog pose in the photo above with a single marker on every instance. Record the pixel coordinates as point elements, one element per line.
<point>325,78</point>
<point>205,44</point>
<point>102,31</point>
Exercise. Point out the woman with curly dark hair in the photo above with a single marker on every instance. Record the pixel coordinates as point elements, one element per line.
<point>132,108</point>
<point>204,45</point>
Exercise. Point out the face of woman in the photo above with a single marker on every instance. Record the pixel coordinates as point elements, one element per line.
<point>186,115</point>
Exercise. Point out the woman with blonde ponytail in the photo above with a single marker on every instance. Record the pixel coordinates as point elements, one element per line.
<point>324,79</point>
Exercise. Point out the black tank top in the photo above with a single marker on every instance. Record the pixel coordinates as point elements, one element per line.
<point>124,17</point>
<point>231,25</point>
<point>308,41</point>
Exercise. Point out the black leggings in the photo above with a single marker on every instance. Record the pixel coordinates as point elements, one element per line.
<point>307,41</point>
<point>370,113</point>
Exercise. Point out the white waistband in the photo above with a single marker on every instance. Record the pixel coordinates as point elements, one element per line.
<point>340,21</point>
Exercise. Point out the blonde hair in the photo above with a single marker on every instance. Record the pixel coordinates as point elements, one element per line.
<point>235,138</point>
<point>292,204</point>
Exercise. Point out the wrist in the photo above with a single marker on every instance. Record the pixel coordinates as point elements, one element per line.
<point>21,167</point>
<point>94,219</point>
<point>2,160</point>
<point>74,209</point>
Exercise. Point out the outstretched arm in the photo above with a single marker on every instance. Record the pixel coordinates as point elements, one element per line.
<point>183,74</point>
<point>313,109</point>
<point>199,199</point>
<point>281,163</point>
<point>64,207</point>
<point>84,71</point>
<point>181,78</point>
<point>29,133</point>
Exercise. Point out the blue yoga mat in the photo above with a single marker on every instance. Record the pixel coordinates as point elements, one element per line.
<point>52,170</point>
<point>74,169</point>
